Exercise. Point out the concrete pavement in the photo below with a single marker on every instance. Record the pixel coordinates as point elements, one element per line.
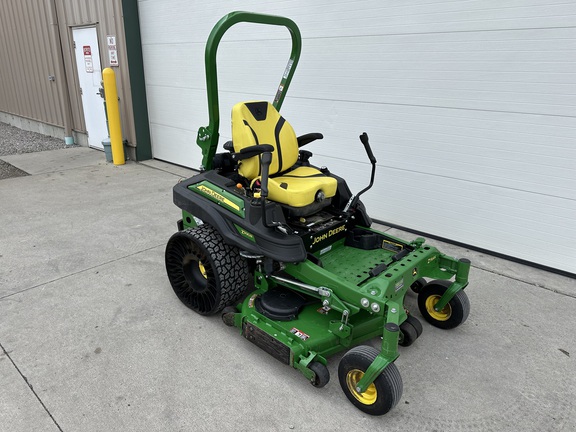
<point>93,338</point>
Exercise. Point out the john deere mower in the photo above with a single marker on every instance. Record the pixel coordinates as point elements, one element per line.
<point>283,250</point>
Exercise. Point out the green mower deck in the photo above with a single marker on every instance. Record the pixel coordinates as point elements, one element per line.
<point>360,305</point>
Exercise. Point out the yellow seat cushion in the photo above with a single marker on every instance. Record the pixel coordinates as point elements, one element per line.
<point>258,122</point>
<point>299,187</point>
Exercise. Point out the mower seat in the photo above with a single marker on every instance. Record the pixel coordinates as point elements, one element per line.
<point>304,189</point>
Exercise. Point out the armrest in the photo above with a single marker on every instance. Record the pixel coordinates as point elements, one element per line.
<point>248,152</point>
<point>308,138</point>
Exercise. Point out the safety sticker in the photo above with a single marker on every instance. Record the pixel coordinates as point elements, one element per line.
<point>278,93</point>
<point>391,246</point>
<point>399,285</point>
<point>299,333</point>
<point>288,68</point>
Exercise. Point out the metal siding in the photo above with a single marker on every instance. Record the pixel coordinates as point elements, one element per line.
<point>47,56</point>
<point>8,99</point>
<point>29,57</point>
<point>470,106</point>
<point>27,63</point>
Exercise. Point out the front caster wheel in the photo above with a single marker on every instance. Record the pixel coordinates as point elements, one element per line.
<point>380,396</point>
<point>452,315</point>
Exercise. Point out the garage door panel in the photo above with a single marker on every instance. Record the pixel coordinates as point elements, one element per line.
<point>329,18</point>
<point>177,113</point>
<point>175,141</point>
<point>252,66</point>
<point>176,64</point>
<point>438,77</point>
<point>176,21</point>
<point>470,204</point>
<point>528,132</point>
<point>518,175</point>
<point>470,106</point>
<point>427,148</point>
<point>484,214</point>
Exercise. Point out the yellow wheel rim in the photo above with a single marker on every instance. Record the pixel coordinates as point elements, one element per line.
<point>442,315</point>
<point>369,396</point>
<point>202,269</point>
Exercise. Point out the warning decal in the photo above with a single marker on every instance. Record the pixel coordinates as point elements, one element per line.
<point>299,333</point>
<point>88,59</point>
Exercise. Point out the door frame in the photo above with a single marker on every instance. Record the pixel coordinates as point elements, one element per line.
<point>75,69</point>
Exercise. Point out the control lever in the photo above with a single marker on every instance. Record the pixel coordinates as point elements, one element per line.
<point>265,162</point>
<point>353,201</point>
<point>364,140</point>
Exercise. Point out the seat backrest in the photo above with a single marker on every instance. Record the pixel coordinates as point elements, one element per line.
<point>255,123</point>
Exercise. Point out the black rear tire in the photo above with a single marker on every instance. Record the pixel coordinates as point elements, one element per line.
<point>205,273</point>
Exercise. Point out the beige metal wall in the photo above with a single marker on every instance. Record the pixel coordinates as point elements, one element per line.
<point>29,54</point>
<point>27,58</point>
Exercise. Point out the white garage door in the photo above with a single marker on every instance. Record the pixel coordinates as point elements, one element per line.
<point>470,106</point>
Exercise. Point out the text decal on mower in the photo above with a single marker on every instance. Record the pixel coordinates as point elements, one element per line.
<point>328,234</point>
<point>219,196</point>
<point>245,234</point>
<point>322,239</point>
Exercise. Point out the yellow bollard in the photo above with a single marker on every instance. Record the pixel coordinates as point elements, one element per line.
<point>113,111</point>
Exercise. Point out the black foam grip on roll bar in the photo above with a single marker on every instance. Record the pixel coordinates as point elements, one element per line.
<point>364,140</point>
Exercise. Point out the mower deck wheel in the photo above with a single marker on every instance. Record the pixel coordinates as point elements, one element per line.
<point>408,334</point>
<point>452,315</point>
<point>322,374</point>
<point>228,314</point>
<point>205,273</point>
<point>418,284</point>
<point>380,396</point>
<point>415,323</point>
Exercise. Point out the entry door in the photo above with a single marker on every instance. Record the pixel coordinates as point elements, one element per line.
<point>90,77</point>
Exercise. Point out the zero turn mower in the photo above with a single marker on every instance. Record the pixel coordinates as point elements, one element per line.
<point>284,250</point>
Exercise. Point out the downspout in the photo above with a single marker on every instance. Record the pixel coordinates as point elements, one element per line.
<point>61,73</point>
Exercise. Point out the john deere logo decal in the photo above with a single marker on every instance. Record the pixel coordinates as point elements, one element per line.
<point>221,197</point>
<point>328,234</point>
<point>218,197</point>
